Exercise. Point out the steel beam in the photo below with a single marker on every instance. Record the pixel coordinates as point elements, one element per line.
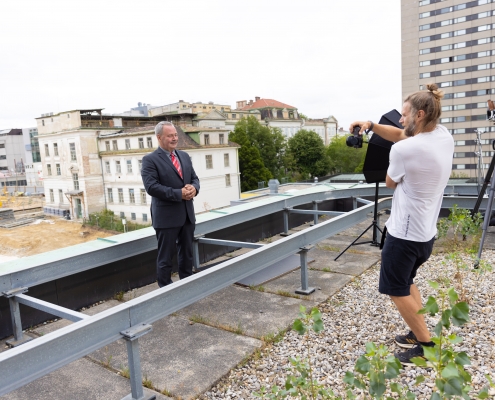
<point>315,212</point>
<point>50,308</point>
<point>230,243</point>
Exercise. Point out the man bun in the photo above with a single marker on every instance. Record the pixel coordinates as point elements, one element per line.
<point>433,88</point>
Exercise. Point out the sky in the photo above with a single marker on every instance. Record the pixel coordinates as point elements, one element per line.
<point>325,57</point>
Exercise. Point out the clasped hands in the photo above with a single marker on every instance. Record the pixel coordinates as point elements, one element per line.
<point>188,192</point>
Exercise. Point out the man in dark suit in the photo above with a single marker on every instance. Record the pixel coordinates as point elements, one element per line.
<point>169,178</point>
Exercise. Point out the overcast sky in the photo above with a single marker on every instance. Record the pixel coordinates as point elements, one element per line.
<point>325,57</point>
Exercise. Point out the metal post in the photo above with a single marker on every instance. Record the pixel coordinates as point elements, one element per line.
<point>354,203</point>
<point>131,337</point>
<point>304,289</point>
<point>286,222</point>
<point>195,249</point>
<point>15,315</point>
<point>315,208</point>
<point>378,232</point>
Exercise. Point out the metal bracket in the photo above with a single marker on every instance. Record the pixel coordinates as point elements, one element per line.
<point>14,292</point>
<point>305,289</point>
<point>135,332</point>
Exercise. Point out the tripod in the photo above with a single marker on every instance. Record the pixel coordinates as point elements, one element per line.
<point>374,224</point>
<point>488,211</point>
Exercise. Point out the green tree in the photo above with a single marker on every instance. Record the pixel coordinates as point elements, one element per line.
<point>250,162</point>
<point>345,159</point>
<point>308,152</point>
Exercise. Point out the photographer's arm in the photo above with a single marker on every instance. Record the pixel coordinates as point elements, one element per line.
<point>387,132</point>
<point>390,183</point>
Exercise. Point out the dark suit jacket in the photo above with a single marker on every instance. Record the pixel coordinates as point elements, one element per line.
<point>164,184</point>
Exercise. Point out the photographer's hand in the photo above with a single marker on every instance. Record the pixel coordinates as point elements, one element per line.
<point>363,125</point>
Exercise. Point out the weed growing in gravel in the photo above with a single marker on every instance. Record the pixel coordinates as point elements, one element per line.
<point>461,224</point>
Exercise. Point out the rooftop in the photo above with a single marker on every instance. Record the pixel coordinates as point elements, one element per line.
<point>267,103</point>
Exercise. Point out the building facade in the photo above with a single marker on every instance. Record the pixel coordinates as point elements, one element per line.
<point>92,161</point>
<point>451,43</point>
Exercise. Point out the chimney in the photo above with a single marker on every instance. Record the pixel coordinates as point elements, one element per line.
<point>250,102</point>
<point>256,98</point>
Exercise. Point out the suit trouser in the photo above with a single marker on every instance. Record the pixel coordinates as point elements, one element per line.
<point>167,249</point>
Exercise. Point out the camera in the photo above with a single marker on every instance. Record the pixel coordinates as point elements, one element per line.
<point>356,140</point>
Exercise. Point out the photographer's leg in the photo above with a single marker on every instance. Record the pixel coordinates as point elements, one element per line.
<point>416,295</point>
<point>408,309</point>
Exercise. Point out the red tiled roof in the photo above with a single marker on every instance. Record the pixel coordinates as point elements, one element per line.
<point>266,103</point>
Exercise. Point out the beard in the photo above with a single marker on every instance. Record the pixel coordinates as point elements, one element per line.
<point>410,129</point>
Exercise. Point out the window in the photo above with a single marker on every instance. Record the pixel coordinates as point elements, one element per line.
<point>107,145</point>
<point>57,167</point>
<point>145,217</point>
<point>140,164</point>
<point>227,180</point>
<point>121,195</point>
<point>114,145</point>
<point>141,143</point>
<point>209,161</point>
<point>234,116</point>
<point>133,216</point>
<point>43,122</point>
<point>424,63</point>
<point>207,139</point>
<point>132,199</point>
<point>127,144</point>
<point>52,198</point>
<point>110,195</point>
<point>129,166</point>
<point>149,141</point>
<point>122,215</point>
<point>72,147</point>
<point>117,167</point>
<point>55,149</point>
<point>60,196</point>
<point>49,169</point>
<point>75,179</point>
<point>143,196</point>
<point>226,161</point>
<point>107,167</point>
<point>47,151</point>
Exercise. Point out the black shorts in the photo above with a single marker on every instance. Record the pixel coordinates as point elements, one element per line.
<point>400,261</point>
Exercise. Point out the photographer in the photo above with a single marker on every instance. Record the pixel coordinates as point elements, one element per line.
<point>420,166</point>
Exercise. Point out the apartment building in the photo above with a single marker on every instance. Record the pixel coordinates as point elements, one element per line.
<point>451,43</point>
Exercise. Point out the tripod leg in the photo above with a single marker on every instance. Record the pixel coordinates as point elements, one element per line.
<point>486,221</point>
<point>355,240</point>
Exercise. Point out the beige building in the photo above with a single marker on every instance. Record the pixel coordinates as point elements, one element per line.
<point>451,43</point>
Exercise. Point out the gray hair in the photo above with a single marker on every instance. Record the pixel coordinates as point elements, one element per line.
<point>159,127</point>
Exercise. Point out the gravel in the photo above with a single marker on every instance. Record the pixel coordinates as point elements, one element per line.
<point>358,314</point>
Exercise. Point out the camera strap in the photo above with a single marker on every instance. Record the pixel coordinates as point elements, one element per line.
<point>384,235</point>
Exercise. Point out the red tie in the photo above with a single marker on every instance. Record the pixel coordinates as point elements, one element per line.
<point>176,163</point>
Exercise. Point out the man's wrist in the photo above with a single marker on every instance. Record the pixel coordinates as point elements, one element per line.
<point>372,125</point>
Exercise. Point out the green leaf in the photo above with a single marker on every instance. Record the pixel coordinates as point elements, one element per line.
<point>460,313</point>
<point>435,396</point>
<point>395,387</point>
<point>430,353</point>
<point>299,327</point>
<point>483,394</point>
<point>393,369</point>
<point>377,388</point>
<point>446,314</point>
<point>453,387</point>
<point>419,379</point>
<point>318,326</point>
<point>419,361</point>
<point>370,348</point>
<point>453,296</point>
<point>438,328</point>
<point>359,384</point>
<point>349,378</point>
<point>410,395</point>
<point>431,306</point>
<point>450,371</point>
<point>362,365</point>
<point>433,284</point>
<point>315,314</point>
<point>454,339</point>
<point>462,358</point>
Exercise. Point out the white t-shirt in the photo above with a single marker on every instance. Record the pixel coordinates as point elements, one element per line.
<point>421,165</point>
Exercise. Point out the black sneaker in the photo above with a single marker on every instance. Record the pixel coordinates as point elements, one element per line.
<point>406,341</point>
<point>415,351</point>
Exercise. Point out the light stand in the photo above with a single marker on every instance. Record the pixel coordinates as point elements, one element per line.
<point>375,171</point>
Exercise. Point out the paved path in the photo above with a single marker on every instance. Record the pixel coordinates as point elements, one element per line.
<point>189,351</point>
